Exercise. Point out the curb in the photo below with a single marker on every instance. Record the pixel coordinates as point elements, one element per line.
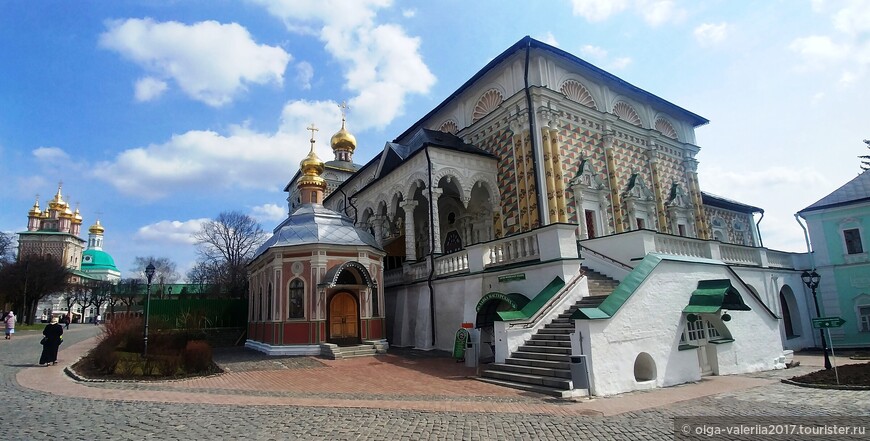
<point>825,386</point>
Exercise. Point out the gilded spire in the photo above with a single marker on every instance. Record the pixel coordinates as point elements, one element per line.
<point>310,184</point>
<point>35,211</point>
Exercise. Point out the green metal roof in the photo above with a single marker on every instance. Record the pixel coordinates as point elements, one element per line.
<point>536,303</point>
<point>713,295</point>
<point>97,259</point>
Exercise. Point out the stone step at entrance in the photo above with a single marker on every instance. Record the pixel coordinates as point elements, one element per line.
<point>542,364</point>
<point>364,349</point>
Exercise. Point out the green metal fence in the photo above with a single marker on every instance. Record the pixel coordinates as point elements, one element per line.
<point>199,313</point>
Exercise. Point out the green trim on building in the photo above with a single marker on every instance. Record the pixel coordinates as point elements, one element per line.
<point>713,296</point>
<point>536,303</point>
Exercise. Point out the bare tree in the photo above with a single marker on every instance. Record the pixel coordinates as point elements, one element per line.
<point>7,245</point>
<point>164,272</point>
<point>27,281</point>
<point>229,241</point>
<point>865,159</point>
<point>127,292</point>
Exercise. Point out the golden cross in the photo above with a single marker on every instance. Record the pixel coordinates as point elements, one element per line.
<point>312,129</point>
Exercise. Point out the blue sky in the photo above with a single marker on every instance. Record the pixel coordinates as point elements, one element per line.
<point>157,115</point>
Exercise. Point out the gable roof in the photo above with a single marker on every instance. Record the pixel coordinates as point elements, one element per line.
<point>855,191</point>
<point>531,43</point>
<point>728,204</point>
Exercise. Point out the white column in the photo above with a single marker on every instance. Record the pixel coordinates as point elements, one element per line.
<point>408,207</point>
<point>436,222</point>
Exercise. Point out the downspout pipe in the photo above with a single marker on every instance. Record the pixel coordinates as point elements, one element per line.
<point>758,229</point>
<point>431,249</point>
<point>533,136</point>
<point>812,264</point>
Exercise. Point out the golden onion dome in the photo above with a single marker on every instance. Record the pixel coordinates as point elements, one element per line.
<point>57,203</point>
<point>96,228</point>
<point>311,168</point>
<point>343,140</point>
<point>77,217</point>
<point>35,211</point>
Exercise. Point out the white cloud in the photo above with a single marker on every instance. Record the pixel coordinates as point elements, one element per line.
<point>409,13</point>
<point>654,12</point>
<point>171,232</point>
<point>598,10</point>
<point>382,64</point>
<point>149,88</point>
<point>304,74</point>
<point>269,212</point>
<point>599,54</point>
<point>204,160</point>
<point>846,49</point>
<point>659,12</point>
<point>819,50</point>
<point>51,155</point>
<point>211,62</point>
<point>708,34</point>
<point>620,63</point>
<point>549,38</point>
<point>854,18</point>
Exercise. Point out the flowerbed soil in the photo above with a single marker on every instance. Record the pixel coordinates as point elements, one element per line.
<point>850,374</point>
<point>85,368</point>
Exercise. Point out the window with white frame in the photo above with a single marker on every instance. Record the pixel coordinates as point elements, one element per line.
<point>296,300</point>
<point>864,317</point>
<point>852,237</point>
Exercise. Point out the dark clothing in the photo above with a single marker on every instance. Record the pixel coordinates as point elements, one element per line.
<point>53,333</point>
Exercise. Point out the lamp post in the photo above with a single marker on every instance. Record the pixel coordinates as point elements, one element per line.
<point>149,273</point>
<point>811,280</point>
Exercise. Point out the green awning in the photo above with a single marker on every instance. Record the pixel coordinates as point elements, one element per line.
<point>514,299</point>
<point>713,295</point>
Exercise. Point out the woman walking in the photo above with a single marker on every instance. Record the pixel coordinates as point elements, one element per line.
<point>10,324</point>
<point>53,333</point>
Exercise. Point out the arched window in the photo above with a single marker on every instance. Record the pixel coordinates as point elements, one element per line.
<point>260,305</point>
<point>296,300</point>
<point>375,303</point>
<point>269,303</point>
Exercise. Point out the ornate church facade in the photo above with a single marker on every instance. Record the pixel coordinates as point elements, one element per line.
<point>549,203</point>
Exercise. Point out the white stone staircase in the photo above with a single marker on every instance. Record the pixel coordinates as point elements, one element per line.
<point>542,364</point>
<point>367,348</point>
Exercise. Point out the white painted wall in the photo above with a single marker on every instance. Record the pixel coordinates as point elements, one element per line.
<point>651,321</point>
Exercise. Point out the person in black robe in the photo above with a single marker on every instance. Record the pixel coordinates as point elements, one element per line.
<point>53,333</point>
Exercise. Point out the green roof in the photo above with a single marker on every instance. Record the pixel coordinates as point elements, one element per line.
<point>97,259</point>
<point>713,295</point>
<point>536,303</point>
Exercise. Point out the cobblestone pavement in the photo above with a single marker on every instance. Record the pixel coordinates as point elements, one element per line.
<point>397,397</point>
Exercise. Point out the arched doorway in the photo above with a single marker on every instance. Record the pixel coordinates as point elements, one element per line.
<point>790,313</point>
<point>343,319</point>
<point>487,314</point>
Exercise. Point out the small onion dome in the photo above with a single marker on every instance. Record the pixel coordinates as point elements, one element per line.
<point>96,228</point>
<point>77,217</point>
<point>58,203</point>
<point>35,211</point>
<point>343,140</point>
<point>311,168</point>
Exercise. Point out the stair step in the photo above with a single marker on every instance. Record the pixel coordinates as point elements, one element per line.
<point>539,363</point>
<point>541,356</point>
<point>534,341</point>
<point>538,380</point>
<point>543,390</point>
<point>531,370</point>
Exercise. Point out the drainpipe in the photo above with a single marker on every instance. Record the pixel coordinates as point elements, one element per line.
<point>533,137</point>
<point>812,264</point>
<point>431,249</point>
<point>758,230</point>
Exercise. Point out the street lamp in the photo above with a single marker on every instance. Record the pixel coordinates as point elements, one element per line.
<point>811,280</point>
<point>149,273</point>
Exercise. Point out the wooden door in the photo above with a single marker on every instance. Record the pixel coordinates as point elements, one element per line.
<point>590,224</point>
<point>343,319</point>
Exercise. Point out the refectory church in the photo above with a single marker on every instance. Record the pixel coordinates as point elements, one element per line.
<point>555,209</point>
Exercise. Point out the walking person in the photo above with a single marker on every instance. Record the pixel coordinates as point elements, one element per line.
<point>65,321</point>
<point>9,319</point>
<point>53,337</point>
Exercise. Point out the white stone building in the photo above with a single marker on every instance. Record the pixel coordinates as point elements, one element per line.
<point>557,209</point>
